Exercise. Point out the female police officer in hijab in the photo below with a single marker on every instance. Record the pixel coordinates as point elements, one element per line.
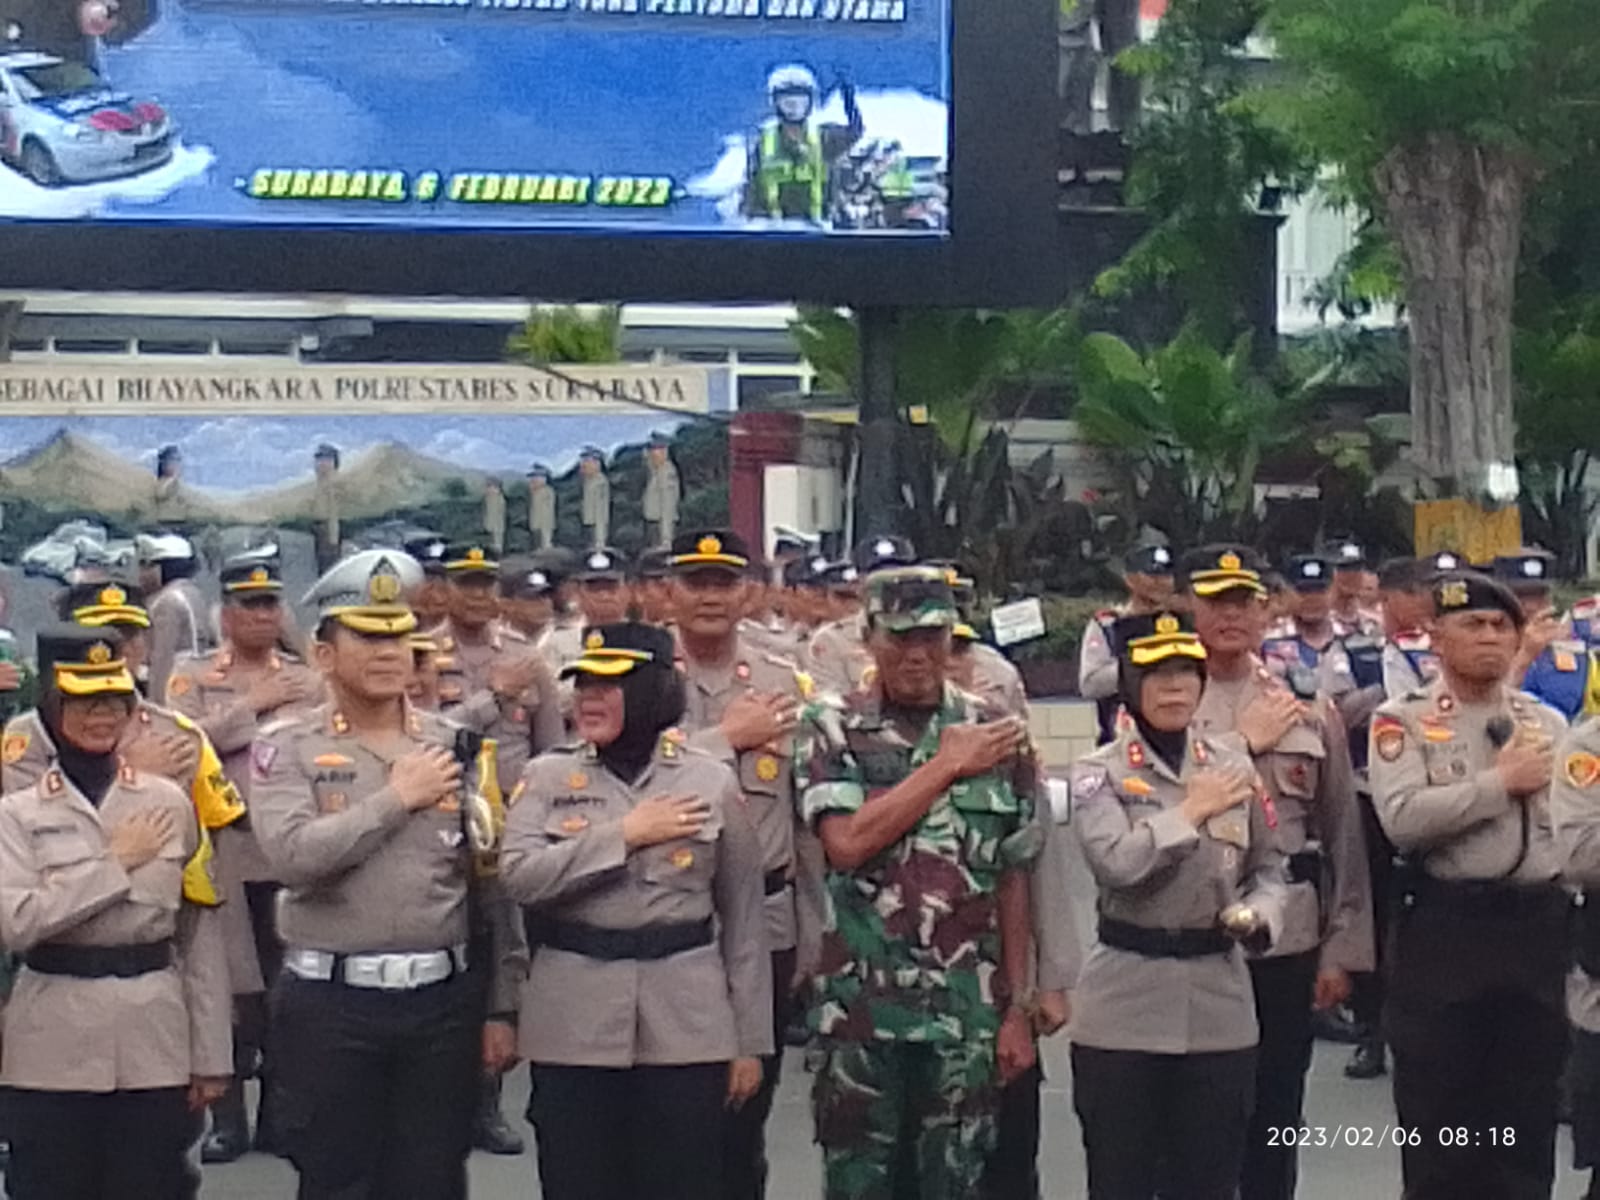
<point>648,1004</point>
<point>1180,842</point>
<point>118,1029</point>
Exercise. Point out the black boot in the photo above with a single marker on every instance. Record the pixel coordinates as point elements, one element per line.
<point>489,1129</point>
<point>1369,1060</point>
<point>230,1128</point>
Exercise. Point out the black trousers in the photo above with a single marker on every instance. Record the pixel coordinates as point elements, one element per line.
<point>99,1145</point>
<point>639,1133</point>
<point>1284,989</point>
<point>375,1090</point>
<point>744,1146</point>
<point>1171,1125</point>
<point>1366,992</point>
<point>1476,1019</point>
<point>1013,1172</point>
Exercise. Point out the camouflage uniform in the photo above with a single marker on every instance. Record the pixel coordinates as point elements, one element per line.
<point>902,999</point>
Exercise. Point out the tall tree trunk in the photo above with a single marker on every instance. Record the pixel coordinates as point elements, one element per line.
<point>1455,209</point>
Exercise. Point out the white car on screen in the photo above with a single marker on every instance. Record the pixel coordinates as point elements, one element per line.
<point>61,122</point>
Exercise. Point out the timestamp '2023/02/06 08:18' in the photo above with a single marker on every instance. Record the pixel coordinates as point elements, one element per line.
<point>1397,1136</point>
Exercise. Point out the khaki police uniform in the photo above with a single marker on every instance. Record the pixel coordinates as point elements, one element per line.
<point>521,726</point>
<point>179,625</point>
<point>378,1015</point>
<point>1327,922</point>
<point>100,1062</point>
<point>1478,952</point>
<point>651,972</point>
<point>211,691</point>
<point>839,657</point>
<point>1575,817</point>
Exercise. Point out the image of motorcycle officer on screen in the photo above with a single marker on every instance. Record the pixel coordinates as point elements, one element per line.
<point>837,160</point>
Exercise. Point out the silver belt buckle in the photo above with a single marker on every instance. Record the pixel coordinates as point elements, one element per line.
<point>398,972</point>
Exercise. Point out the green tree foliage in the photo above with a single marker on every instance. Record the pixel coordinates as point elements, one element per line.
<point>1187,427</point>
<point>567,334</point>
<point>1558,436</point>
<point>1201,158</point>
<point>1443,116</point>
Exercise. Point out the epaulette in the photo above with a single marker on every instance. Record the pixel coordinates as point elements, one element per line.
<point>278,724</point>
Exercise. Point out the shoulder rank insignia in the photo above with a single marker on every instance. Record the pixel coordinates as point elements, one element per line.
<point>13,748</point>
<point>1582,769</point>
<point>742,672</point>
<point>1202,752</point>
<point>53,784</point>
<point>1136,754</point>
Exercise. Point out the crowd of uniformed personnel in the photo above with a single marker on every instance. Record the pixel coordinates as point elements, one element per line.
<point>639,824</point>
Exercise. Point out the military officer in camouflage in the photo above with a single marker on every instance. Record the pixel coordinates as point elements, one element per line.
<point>918,999</point>
<point>838,651</point>
<point>361,810</point>
<point>1478,954</point>
<point>648,1002</point>
<point>742,708</point>
<point>230,694</point>
<point>1178,832</point>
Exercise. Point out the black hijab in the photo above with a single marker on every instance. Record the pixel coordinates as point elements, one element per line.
<point>1171,747</point>
<point>91,774</point>
<point>653,700</point>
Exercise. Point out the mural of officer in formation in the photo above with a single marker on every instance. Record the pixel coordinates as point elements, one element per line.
<point>662,493</point>
<point>595,514</point>
<point>541,507</point>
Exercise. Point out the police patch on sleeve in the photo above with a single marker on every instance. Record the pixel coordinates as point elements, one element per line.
<point>1388,738</point>
<point>1087,780</point>
<point>1582,769</point>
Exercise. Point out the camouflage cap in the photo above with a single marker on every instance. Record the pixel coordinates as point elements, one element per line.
<point>901,599</point>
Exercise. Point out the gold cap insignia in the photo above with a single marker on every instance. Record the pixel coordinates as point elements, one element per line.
<point>1229,562</point>
<point>99,654</point>
<point>1167,624</point>
<point>1453,594</point>
<point>594,641</point>
<point>475,554</point>
<point>259,575</point>
<point>709,545</point>
<point>383,588</point>
<point>113,597</point>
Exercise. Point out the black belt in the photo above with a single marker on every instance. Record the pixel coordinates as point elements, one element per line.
<point>775,881</point>
<point>1163,943</point>
<point>99,962</point>
<point>1487,898</point>
<point>1305,867</point>
<point>615,945</point>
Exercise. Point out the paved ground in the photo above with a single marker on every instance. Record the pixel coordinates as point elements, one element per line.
<point>1343,1173</point>
<point>1327,1174</point>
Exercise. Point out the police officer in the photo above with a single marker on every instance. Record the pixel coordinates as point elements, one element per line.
<point>791,157</point>
<point>1013,1170</point>
<point>230,694</point>
<point>1575,817</point>
<point>1554,668</point>
<point>490,677</point>
<point>921,1000</point>
<point>1148,576</point>
<point>742,708</point>
<point>431,599</point>
<point>178,621</point>
<point>359,806</point>
<point>1406,585</point>
<point>1349,614</point>
<point>1178,833</point>
<point>117,1030</point>
<point>527,599</point>
<point>1460,778</point>
<point>600,596</point>
<point>805,600</point>
<point>1298,744</point>
<point>838,650</point>
<point>652,586</point>
<point>648,1006</point>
